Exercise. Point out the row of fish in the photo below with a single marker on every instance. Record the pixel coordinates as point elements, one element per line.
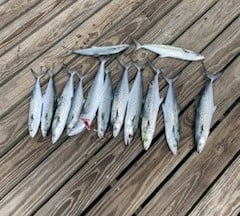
<point>122,107</point>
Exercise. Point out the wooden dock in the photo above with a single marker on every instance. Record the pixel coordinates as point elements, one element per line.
<point>84,175</point>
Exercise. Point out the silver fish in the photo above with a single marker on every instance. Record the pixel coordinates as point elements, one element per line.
<point>120,99</point>
<point>77,104</point>
<point>171,117</point>
<point>35,109</point>
<point>134,107</point>
<point>98,51</point>
<point>204,113</point>
<point>48,105</point>
<point>170,51</point>
<point>150,110</point>
<point>105,105</point>
<point>63,107</point>
<point>92,102</point>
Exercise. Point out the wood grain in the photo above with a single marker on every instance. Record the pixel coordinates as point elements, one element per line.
<point>186,186</point>
<point>29,22</point>
<point>13,9</point>
<point>85,35</point>
<point>45,37</point>
<point>104,176</point>
<point>223,198</point>
<point>133,189</point>
<point>75,161</point>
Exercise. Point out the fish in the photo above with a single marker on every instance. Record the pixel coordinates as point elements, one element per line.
<point>171,112</point>
<point>64,103</point>
<point>77,104</point>
<point>104,109</point>
<point>151,107</point>
<point>98,50</point>
<point>205,111</point>
<point>92,102</point>
<point>120,99</point>
<point>35,109</point>
<point>134,107</point>
<point>170,51</point>
<point>49,99</point>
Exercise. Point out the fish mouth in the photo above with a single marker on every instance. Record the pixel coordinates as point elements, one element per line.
<point>128,139</point>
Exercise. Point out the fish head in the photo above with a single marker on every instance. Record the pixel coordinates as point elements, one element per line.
<point>117,125</point>
<point>201,143</point>
<point>100,132</point>
<point>173,144</point>
<point>76,129</point>
<point>128,134</point>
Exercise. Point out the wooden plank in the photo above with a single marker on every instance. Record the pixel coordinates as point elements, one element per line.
<point>121,157</point>
<point>29,22</point>
<point>197,173</point>
<point>75,161</point>
<point>11,10</point>
<point>86,34</point>
<point>223,198</point>
<point>143,178</point>
<point>7,130</point>
<point>45,37</point>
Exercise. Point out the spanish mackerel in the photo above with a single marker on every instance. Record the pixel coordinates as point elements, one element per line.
<point>170,113</point>
<point>92,102</point>
<point>134,107</point>
<point>48,105</point>
<point>77,104</point>
<point>105,105</point>
<point>150,110</point>
<point>120,99</point>
<point>98,51</point>
<point>63,107</point>
<point>205,111</point>
<point>35,109</point>
<point>170,51</point>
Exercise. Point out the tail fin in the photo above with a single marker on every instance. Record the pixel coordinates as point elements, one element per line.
<point>137,44</point>
<point>158,71</point>
<point>67,50</point>
<point>103,58</point>
<point>36,75</point>
<point>210,76</point>
<point>125,65</point>
<point>71,72</point>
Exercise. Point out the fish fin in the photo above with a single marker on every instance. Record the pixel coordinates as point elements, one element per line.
<point>124,65</point>
<point>103,59</point>
<point>156,70</point>
<point>214,108</point>
<point>67,50</point>
<point>137,44</point>
<point>210,76</point>
<point>36,75</point>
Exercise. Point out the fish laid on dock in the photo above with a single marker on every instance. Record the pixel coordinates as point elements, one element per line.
<point>151,106</point>
<point>35,109</point>
<point>64,103</point>
<point>105,105</point>
<point>170,113</point>
<point>120,99</point>
<point>48,105</point>
<point>170,51</point>
<point>134,107</point>
<point>98,50</point>
<point>204,112</point>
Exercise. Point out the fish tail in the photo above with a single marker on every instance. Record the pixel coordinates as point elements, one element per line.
<point>71,72</point>
<point>103,58</point>
<point>36,75</point>
<point>107,71</point>
<point>158,71</point>
<point>210,76</point>
<point>125,65</point>
<point>67,50</point>
<point>137,44</point>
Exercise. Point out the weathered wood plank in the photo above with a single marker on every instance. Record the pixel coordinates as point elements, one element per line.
<point>136,22</point>
<point>29,22</point>
<point>86,34</point>
<point>223,198</point>
<point>186,186</point>
<point>121,160</point>
<point>133,189</point>
<point>23,127</point>
<point>13,9</point>
<point>45,37</point>
<point>74,163</point>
